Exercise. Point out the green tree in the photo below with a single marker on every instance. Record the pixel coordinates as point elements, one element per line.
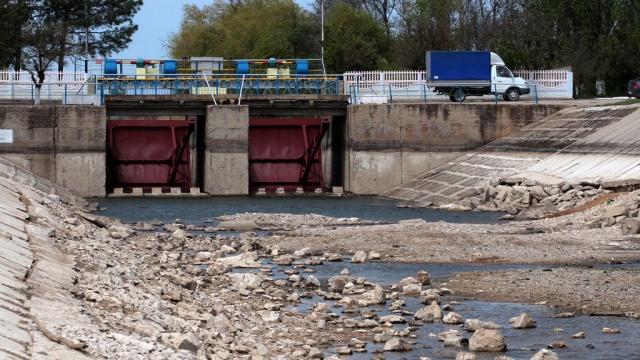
<point>425,25</point>
<point>354,40</point>
<point>251,29</point>
<point>40,47</point>
<point>93,27</point>
<point>13,15</point>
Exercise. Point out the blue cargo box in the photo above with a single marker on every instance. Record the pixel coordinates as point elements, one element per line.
<point>458,65</point>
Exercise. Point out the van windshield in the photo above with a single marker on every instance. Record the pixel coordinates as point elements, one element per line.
<point>503,71</point>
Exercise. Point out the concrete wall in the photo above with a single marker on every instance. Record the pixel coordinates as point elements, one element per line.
<point>226,164</point>
<point>63,144</point>
<point>390,144</point>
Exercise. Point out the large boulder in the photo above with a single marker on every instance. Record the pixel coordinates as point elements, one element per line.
<point>487,340</point>
<point>430,313</point>
<point>524,321</point>
<point>397,344</point>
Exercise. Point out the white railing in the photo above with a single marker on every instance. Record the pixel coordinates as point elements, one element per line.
<point>550,84</point>
<point>24,77</point>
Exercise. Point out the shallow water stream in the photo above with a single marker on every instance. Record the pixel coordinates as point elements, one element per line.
<point>595,346</point>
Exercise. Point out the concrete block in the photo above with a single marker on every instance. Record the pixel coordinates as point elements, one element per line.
<point>156,191</point>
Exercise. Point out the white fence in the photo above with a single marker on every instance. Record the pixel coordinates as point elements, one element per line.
<point>552,84</point>
<point>19,85</point>
<point>383,86</point>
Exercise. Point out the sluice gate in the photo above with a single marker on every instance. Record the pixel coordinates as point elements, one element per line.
<point>149,153</point>
<point>286,152</point>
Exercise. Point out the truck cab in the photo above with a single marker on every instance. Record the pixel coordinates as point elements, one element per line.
<point>504,83</point>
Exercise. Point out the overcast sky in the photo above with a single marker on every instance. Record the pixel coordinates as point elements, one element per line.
<point>156,20</point>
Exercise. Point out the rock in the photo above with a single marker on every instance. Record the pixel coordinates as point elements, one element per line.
<point>557,345</point>
<point>344,350</point>
<point>412,221</point>
<point>430,313</point>
<point>393,319</point>
<point>374,255</point>
<point>315,354</point>
<point>475,324</point>
<point>187,342</point>
<point>302,252</point>
<point>383,337</point>
<point>238,225</point>
<point>487,340</point>
<point>397,344</point>
<point>580,335</point>
<point>245,260</point>
<point>503,357</point>
<point>359,257</point>
<point>218,269</point>
<point>450,334</point>
<point>615,211</point>
<point>630,226</point>
<point>228,249</point>
<point>423,278</point>
<point>607,330</point>
<point>312,281</point>
<point>247,281</point>
<point>456,342</point>
<point>466,356</point>
<point>452,318</point>
<point>545,354</point>
<point>412,289</point>
<point>524,321</point>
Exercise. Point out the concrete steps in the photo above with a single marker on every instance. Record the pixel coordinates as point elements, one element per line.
<point>601,143</point>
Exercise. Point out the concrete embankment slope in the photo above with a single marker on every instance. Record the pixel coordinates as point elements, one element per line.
<point>600,144</point>
<point>27,267</point>
<point>16,259</point>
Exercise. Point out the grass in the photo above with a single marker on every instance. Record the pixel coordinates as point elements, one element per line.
<point>624,102</point>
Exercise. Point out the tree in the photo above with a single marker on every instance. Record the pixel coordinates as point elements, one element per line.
<point>354,40</point>
<point>425,25</point>
<point>93,27</point>
<point>250,29</point>
<point>13,15</point>
<point>40,35</point>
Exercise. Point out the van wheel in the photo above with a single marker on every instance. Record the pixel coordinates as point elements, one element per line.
<point>513,94</point>
<point>505,97</point>
<point>457,96</point>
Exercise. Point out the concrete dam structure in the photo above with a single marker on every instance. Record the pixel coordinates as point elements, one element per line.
<point>182,144</point>
<point>596,144</point>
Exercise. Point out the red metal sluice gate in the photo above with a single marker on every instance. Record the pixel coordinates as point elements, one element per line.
<point>148,153</point>
<point>286,152</point>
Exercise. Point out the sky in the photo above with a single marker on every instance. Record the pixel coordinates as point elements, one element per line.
<point>156,20</point>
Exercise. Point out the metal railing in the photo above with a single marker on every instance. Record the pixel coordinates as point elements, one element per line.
<point>72,89</point>
<point>382,94</point>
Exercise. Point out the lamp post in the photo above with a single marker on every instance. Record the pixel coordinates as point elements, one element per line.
<point>322,36</point>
